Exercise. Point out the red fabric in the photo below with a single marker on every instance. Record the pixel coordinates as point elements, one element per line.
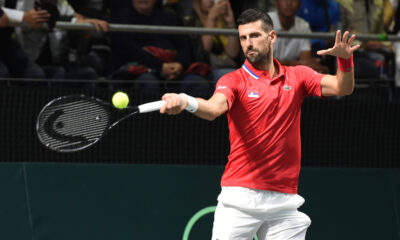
<point>136,70</point>
<point>130,70</point>
<point>264,125</point>
<point>164,55</point>
<point>345,65</point>
<point>202,69</point>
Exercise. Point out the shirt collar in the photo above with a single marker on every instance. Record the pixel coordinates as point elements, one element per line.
<point>256,73</point>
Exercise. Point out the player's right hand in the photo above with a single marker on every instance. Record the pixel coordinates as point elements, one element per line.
<point>174,103</point>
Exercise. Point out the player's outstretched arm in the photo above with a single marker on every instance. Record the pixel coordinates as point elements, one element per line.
<point>205,109</point>
<point>343,82</point>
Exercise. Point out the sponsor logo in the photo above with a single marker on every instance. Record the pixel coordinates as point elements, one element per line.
<point>287,88</point>
<point>221,87</point>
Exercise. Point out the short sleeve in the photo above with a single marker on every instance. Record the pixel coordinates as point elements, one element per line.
<point>227,85</point>
<point>311,80</point>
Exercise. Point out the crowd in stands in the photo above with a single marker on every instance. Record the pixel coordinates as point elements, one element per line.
<point>182,62</point>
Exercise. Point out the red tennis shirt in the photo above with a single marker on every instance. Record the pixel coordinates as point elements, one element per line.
<point>264,125</point>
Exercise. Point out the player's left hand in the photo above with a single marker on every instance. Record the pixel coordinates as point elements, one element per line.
<point>342,47</point>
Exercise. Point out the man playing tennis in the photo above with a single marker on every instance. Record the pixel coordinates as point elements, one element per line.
<point>262,101</point>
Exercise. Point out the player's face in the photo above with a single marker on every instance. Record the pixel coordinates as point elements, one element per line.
<point>144,6</point>
<point>256,42</point>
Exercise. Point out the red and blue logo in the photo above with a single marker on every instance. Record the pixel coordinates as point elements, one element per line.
<point>253,92</point>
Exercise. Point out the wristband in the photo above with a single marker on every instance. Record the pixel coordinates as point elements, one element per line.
<point>193,104</point>
<point>345,65</point>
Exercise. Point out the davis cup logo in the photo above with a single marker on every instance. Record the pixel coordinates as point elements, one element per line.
<point>253,92</point>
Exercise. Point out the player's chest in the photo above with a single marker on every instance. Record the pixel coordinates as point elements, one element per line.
<point>264,94</point>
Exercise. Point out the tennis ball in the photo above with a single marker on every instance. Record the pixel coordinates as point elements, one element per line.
<point>120,100</point>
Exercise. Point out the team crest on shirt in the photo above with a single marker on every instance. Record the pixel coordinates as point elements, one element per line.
<point>253,92</point>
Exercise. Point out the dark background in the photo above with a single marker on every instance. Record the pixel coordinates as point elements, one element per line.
<point>361,130</point>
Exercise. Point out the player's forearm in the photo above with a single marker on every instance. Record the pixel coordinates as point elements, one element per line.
<point>345,82</point>
<point>207,110</point>
<point>345,76</point>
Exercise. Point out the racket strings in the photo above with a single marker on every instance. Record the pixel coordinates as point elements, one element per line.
<point>73,124</point>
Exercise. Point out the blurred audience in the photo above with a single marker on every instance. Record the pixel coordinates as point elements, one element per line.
<point>393,22</point>
<point>35,52</point>
<point>219,51</point>
<point>322,16</point>
<point>148,58</point>
<point>14,62</point>
<point>99,50</point>
<point>3,23</point>
<point>62,54</point>
<point>239,6</point>
<point>375,58</point>
<point>293,51</point>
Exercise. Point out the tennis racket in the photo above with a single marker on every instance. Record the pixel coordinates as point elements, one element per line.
<point>73,123</point>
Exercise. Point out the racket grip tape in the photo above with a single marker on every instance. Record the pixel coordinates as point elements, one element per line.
<point>151,106</point>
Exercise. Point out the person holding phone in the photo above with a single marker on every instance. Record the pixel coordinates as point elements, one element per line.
<point>14,61</point>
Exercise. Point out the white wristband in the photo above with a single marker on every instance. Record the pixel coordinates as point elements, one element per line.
<point>193,104</point>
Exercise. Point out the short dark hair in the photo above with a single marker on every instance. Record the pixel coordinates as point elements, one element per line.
<point>253,15</point>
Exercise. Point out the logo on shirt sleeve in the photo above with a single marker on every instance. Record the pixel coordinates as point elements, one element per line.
<point>221,87</point>
<point>253,92</point>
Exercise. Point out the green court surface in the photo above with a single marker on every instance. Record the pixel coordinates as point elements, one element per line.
<point>109,201</point>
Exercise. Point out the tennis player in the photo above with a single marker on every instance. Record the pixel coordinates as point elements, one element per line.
<point>262,101</point>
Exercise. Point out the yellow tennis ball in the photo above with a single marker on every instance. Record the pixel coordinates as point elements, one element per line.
<point>120,100</point>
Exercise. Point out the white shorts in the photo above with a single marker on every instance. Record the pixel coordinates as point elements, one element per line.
<point>243,213</point>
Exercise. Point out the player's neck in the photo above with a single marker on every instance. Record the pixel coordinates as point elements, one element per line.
<point>267,65</point>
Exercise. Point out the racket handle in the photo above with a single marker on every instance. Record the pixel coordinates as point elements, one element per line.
<point>151,106</point>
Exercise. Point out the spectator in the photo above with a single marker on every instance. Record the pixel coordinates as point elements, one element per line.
<point>3,23</point>
<point>219,51</point>
<point>322,16</point>
<point>396,45</point>
<point>13,59</point>
<point>180,8</point>
<point>3,19</point>
<point>149,58</point>
<point>239,6</point>
<point>50,48</point>
<point>293,51</point>
<point>374,58</point>
<point>98,56</point>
